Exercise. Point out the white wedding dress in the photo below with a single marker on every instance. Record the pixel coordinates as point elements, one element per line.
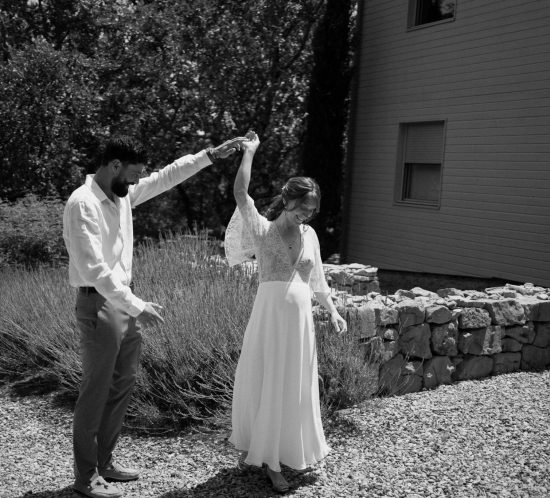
<point>276,414</point>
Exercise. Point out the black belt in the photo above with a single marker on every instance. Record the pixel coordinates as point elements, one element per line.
<point>93,290</point>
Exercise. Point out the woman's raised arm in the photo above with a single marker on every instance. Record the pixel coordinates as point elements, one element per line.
<point>242,180</point>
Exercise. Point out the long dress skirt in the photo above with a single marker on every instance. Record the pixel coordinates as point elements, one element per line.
<point>276,415</point>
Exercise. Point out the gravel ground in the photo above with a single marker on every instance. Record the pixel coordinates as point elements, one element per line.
<point>487,438</point>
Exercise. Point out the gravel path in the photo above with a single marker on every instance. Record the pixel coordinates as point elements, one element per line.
<point>487,438</point>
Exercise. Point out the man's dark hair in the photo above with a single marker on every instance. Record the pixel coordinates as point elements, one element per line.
<point>125,149</point>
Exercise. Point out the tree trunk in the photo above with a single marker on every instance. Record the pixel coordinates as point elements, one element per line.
<point>327,112</point>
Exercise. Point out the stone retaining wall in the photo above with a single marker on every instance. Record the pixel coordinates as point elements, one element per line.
<point>422,339</point>
<point>355,278</point>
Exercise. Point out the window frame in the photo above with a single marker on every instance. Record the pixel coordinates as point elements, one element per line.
<point>411,17</point>
<point>401,169</point>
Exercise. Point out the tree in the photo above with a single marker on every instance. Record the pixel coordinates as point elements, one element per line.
<point>183,77</point>
<point>178,75</point>
<point>327,115</point>
<point>48,127</point>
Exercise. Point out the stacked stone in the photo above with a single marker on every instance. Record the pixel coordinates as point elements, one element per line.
<point>504,330</point>
<point>404,324</point>
<point>423,339</point>
<point>529,337</point>
<point>355,279</point>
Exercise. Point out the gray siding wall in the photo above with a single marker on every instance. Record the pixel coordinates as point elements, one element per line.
<point>487,73</point>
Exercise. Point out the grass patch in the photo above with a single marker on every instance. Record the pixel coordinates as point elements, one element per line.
<point>188,364</point>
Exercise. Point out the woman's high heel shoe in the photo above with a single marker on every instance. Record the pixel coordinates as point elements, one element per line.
<point>241,464</point>
<point>278,482</point>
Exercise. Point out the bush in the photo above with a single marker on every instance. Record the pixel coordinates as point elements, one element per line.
<point>348,375</point>
<point>31,232</point>
<point>49,129</point>
<point>188,364</point>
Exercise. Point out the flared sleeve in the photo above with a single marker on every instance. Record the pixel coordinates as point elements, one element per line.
<point>243,232</point>
<point>317,281</point>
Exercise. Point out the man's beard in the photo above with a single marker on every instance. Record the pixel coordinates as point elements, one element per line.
<point>119,188</point>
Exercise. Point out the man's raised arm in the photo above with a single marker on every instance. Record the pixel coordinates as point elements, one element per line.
<point>180,170</point>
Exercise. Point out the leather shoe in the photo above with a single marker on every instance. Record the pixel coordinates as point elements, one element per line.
<point>116,472</point>
<point>97,488</point>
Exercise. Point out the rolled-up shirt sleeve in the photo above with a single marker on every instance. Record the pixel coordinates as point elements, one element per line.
<point>84,245</point>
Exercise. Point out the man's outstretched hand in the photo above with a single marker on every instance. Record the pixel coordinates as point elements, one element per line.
<point>150,316</point>
<point>227,148</point>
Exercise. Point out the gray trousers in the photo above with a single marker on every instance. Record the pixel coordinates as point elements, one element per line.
<point>110,346</point>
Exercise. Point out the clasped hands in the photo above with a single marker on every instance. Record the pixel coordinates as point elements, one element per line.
<point>230,146</point>
<point>233,145</point>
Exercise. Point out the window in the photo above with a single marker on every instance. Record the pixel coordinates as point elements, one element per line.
<point>429,11</point>
<point>420,163</point>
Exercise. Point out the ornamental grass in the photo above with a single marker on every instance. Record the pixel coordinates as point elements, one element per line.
<point>188,363</point>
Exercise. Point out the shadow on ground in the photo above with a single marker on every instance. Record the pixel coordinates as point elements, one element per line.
<point>66,492</point>
<point>248,482</point>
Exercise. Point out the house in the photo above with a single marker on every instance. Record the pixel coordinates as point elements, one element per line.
<point>449,150</point>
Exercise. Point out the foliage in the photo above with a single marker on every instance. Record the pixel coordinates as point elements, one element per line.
<point>348,376</point>
<point>185,78</point>
<point>48,126</point>
<point>179,75</point>
<point>31,232</point>
<point>188,363</point>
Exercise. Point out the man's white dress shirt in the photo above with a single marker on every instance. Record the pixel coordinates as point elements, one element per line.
<point>99,234</point>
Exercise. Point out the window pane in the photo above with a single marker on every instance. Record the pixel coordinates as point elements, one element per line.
<point>424,142</point>
<point>422,182</point>
<point>433,10</point>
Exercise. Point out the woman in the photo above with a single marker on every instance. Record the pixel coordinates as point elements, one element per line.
<point>276,414</point>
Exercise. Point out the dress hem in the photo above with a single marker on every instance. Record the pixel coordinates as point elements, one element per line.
<point>305,465</point>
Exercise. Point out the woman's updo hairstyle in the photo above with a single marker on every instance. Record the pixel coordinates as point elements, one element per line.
<point>295,189</point>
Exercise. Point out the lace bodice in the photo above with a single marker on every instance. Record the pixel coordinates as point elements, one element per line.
<point>249,233</point>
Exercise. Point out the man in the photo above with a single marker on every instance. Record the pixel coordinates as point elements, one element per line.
<point>97,229</point>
